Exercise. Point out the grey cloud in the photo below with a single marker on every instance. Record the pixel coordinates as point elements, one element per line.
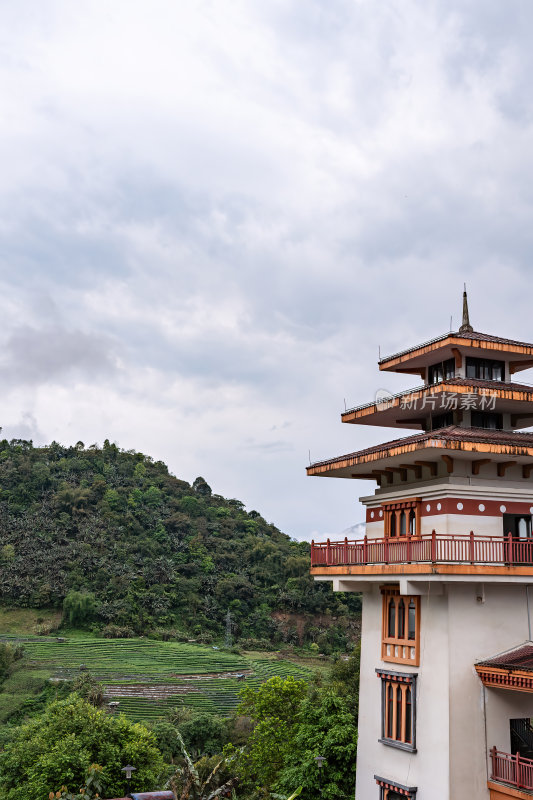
<point>32,356</point>
<point>26,428</point>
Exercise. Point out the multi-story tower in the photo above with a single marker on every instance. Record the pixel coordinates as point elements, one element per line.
<point>445,569</point>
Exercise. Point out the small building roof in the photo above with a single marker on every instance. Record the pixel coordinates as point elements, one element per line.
<point>512,670</point>
<point>520,657</point>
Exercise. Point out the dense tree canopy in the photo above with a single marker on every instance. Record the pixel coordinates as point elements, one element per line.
<point>293,724</point>
<point>58,748</point>
<point>124,544</point>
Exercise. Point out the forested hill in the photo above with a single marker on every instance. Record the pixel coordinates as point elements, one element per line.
<point>154,552</point>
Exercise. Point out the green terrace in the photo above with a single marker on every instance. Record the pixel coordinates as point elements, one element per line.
<point>148,678</point>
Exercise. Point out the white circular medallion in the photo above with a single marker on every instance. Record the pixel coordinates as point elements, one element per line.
<point>428,507</point>
<point>481,507</point>
<point>459,506</point>
<point>531,510</point>
<point>381,513</point>
<point>439,506</point>
<point>371,515</point>
<point>503,509</point>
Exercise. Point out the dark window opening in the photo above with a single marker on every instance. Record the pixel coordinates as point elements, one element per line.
<point>392,618</point>
<point>486,419</point>
<point>521,737</point>
<point>441,420</point>
<point>441,371</point>
<point>518,525</point>
<point>411,620</point>
<point>401,619</point>
<point>408,715</point>
<point>484,369</point>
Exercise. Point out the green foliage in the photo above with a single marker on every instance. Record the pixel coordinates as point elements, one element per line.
<point>155,551</point>
<point>89,689</point>
<point>295,723</point>
<point>9,653</point>
<point>204,734</point>
<point>57,749</point>
<point>7,553</point>
<point>91,790</point>
<point>78,608</point>
<point>273,709</point>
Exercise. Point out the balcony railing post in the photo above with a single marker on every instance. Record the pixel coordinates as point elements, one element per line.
<point>510,548</point>
<point>493,762</point>
<point>345,549</point>
<point>518,770</point>
<point>386,550</point>
<point>409,550</point>
<point>472,559</point>
<point>365,550</point>
<point>312,552</point>
<point>433,546</point>
<point>328,552</point>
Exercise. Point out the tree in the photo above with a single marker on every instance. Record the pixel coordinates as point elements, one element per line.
<point>57,749</point>
<point>78,607</point>
<point>204,734</point>
<point>273,708</point>
<point>325,726</point>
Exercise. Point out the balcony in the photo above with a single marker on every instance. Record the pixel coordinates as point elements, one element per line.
<point>428,553</point>
<point>512,771</point>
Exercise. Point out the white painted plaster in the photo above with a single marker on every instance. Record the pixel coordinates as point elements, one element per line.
<point>453,709</point>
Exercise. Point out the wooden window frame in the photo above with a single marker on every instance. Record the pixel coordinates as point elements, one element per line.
<point>393,511</point>
<point>395,689</point>
<point>396,649</point>
<point>388,788</point>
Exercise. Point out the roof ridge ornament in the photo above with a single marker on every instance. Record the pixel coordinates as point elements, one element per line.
<point>466,326</point>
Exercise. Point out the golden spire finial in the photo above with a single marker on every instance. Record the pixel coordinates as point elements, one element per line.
<point>466,326</point>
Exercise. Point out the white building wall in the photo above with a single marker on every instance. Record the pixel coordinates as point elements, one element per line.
<point>477,631</point>
<point>461,524</point>
<point>458,721</point>
<point>427,769</point>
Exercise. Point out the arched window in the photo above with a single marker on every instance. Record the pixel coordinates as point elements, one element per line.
<point>408,716</point>
<point>400,626</point>
<point>392,618</point>
<point>412,522</point>
<point>403,524</point>
<point>390,710</point>
<point>399,713</point>
<point>393,524</point>
<point>411,620</point>
<point>401,619</point>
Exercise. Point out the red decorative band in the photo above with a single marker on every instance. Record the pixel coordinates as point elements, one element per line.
<point>457,505</point>
<point>406,791</point>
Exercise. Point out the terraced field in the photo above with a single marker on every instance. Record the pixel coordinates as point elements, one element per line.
<point>149,678</point>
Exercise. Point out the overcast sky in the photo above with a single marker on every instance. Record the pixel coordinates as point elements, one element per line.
<point>213,213</point>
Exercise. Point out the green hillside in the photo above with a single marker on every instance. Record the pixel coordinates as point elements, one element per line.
<point>147,678</point>
<point>137,551</point>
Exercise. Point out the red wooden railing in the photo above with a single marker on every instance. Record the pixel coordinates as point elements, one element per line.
<point>513,770</point>
<point>434,547</point>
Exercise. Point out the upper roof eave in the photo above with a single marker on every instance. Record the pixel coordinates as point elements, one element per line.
<point>416,357</point>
